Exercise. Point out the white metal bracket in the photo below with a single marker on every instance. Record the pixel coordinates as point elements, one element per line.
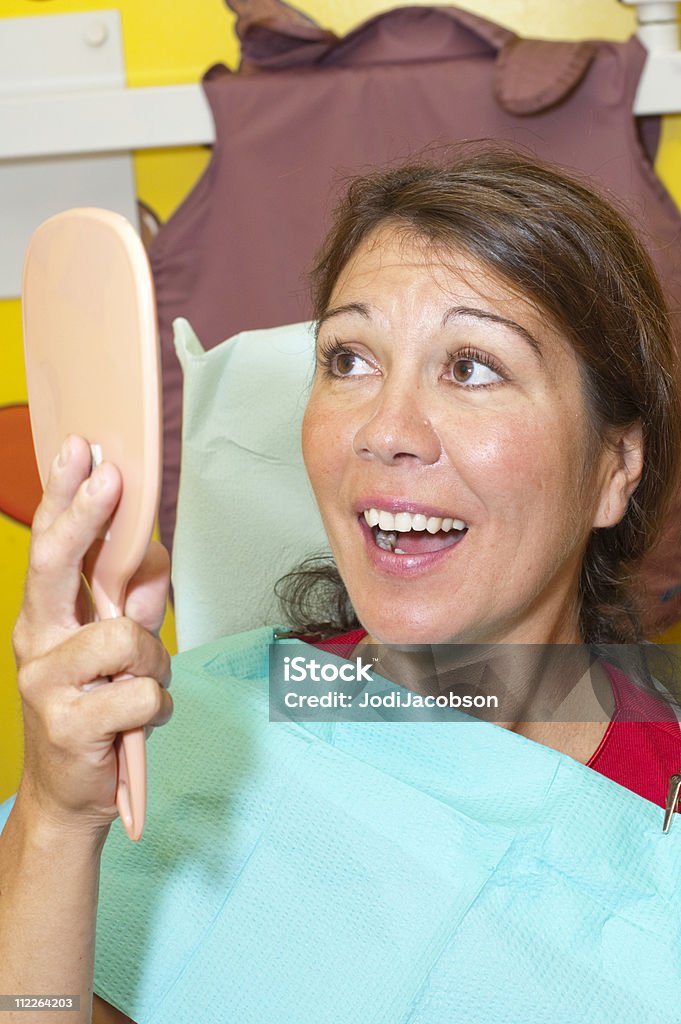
<point>659,90</point>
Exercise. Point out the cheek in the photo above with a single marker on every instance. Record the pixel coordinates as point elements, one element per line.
<point>321,441</point>
<point>308,439</point>
<point>528,457</point>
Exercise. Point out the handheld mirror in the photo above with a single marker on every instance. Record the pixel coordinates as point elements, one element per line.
<point>92,368</point>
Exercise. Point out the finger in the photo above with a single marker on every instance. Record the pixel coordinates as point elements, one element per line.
<point>100,649</point>
<point>68,470</point>
<point>56,553</point>
<point>147,592</point>
<point>126,704</point>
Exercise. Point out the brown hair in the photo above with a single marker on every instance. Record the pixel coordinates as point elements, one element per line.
<point>569,251</point>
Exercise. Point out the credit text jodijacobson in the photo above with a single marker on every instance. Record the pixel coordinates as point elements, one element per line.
<point>301,669</point>
<point>393,699</point>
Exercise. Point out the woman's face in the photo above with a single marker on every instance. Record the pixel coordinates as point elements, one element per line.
<point>443,400</point>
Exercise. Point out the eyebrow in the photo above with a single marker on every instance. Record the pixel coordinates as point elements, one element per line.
<point>361,309</point>
<point>495,318</point>
<point>350,307</point>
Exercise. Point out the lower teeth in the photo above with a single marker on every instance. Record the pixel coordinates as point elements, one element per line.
<point>387,540</point>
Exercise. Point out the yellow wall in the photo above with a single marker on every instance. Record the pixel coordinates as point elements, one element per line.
<point>174,42</point>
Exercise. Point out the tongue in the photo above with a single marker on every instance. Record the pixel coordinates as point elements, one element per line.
<point>419,542</point>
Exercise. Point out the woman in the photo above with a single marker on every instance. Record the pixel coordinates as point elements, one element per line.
<point>492,437</point>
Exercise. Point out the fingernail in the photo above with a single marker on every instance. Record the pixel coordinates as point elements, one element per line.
<point>95,482</point>
<point>65,453</point>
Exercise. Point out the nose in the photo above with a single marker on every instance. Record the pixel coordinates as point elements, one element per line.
<point>397,429</point>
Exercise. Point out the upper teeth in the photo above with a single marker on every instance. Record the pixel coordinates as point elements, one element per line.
<point>402,522</point>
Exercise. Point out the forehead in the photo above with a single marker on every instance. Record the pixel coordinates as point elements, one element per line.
<point>394,270</point>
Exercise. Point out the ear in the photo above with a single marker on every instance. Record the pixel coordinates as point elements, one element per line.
<point>622,465</point>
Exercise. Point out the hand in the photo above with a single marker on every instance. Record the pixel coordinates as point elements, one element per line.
<point>72,712</point>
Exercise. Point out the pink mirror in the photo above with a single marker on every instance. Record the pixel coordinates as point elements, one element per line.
<point>93,368</point>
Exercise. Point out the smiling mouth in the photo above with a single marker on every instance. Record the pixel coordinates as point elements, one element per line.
<point>404,533</point>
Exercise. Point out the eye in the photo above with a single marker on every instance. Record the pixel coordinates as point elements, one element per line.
<point>474,369</point>
<point>345,364</point>
<point>338,361</point>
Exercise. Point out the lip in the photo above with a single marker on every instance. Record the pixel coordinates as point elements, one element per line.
<point>395,505</point>
<point>402,565</point>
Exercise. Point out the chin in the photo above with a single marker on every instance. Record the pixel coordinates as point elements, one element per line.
<point>406,632</point>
